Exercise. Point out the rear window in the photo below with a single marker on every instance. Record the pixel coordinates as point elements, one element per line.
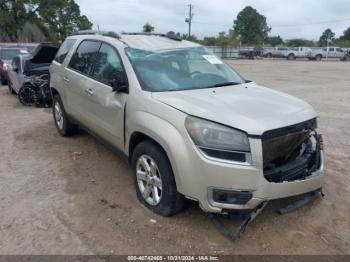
<point>64,50</point>
<point>9,54</point>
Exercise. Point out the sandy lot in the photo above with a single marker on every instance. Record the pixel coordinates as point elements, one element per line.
<point>74,196</point>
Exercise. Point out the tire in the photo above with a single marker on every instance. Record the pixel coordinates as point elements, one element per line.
<point>291,57</point>
<point>64,126</point>
<point>318,57</point>
<point>164,202</point>
<point>10,88</point>
<point>268,55</point>
<point>26,95</point>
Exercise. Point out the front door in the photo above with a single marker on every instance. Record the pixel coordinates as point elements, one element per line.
<point>103,105</point>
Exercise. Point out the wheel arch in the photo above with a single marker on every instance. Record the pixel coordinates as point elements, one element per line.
<point>143,126</point>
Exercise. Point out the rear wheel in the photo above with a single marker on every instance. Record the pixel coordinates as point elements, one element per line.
<point>268,55</point>
<point>154,180</point>
<point>64,126</point>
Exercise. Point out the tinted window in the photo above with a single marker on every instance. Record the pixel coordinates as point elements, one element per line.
<point>108,67</point>
<point>339,50</point>
<point>64,50</point>
<point>84,58</point>
<point>331,49</point>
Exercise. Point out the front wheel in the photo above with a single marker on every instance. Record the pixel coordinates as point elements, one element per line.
<point>318,58</point>
<point>291,57</point>
<point>154,180</point>
<point>64,126</point>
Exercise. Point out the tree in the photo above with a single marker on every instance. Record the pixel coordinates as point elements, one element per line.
<point>251,26</point>
<point>327,37</point>
<point>56,18</point>
<point>148,28</point>
<point>346,35</point>
<point>62,17</point>
<point>274,40</point>
<point>299,42</point>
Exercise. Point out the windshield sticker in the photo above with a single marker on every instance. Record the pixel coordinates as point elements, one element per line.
<point>212,59</point>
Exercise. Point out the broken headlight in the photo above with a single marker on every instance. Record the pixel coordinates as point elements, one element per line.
<point>218,141</point>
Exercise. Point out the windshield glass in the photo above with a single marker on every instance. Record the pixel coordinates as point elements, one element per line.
<point>180,69</point>
<point>9,54</point>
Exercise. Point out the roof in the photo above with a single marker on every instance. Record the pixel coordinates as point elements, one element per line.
<point>144,41</point>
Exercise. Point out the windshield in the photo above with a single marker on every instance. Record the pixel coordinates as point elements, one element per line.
<point>9,54</point>
<point>181,69</point>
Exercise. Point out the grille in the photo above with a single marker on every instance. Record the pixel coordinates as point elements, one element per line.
<point>291,153</point>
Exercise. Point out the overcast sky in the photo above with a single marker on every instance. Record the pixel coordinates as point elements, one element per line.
<point>288,18</point>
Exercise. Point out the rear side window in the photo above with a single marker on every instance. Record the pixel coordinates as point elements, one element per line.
<point>64,50</point>
<point>84,57</point>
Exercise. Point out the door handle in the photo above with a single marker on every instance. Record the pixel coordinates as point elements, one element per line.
<point>89,91</point>
<point>66,79</point>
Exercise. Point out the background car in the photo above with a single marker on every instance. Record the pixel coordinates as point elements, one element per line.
<point>25,67</point>
<point>6,56</point>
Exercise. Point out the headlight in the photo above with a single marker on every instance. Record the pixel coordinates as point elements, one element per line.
<point>218,140</point>
<point>6,67</point>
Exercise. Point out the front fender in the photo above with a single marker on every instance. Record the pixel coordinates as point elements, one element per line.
<point>164,133</point>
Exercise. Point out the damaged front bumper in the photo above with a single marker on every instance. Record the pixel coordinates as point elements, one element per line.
<point>300,175</point>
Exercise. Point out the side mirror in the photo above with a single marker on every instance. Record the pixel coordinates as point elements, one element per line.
<point>119,84</point>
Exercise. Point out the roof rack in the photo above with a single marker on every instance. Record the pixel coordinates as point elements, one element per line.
<point>171,35</point>
<point>94,32</point>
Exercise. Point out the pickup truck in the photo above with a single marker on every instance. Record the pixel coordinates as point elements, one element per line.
<point>327,52</point>
<point>270,52</point>
<point>298,52</point>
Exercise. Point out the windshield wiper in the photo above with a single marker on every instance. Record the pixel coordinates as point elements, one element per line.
<point>222,84</point>
<point>227,84</point>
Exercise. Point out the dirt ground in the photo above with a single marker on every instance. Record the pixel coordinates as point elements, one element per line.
<point>74,196</point>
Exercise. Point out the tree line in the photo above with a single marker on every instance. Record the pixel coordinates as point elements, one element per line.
<point>250,28</point>
<point>33,20</point>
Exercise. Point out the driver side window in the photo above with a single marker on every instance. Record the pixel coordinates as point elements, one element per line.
<point>108,68</point>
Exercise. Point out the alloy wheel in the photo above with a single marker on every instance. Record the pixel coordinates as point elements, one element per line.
<point>59,115</point>
<point>149,180</point>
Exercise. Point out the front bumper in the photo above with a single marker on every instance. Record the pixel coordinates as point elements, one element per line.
<point>202,175</point>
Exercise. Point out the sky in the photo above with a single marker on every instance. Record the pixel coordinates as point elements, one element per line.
<point>287,18</point>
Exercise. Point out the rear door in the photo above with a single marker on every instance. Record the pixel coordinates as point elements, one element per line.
<point>77,80</point>
<point>105,107</point>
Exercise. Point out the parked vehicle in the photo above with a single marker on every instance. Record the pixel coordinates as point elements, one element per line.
<point>187,123</point>
<point>327,52</point>
<point>249,53</point>
<point>298,52</point>
<point>26,68</point>
<point>6,56</point>
<point>270,52</point>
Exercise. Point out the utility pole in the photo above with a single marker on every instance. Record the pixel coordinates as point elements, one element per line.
<point>189,20</point>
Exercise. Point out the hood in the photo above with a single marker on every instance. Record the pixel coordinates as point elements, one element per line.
<point>41,56</point>
<point>248,107</point>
